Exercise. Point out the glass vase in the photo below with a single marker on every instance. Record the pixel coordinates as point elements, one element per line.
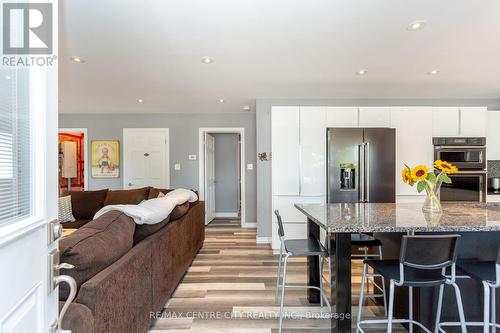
<point>432,204</point>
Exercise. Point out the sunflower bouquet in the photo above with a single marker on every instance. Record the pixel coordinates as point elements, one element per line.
<point>430,181</point>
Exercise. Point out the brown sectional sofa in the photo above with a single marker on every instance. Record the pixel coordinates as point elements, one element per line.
<point>121,296</point>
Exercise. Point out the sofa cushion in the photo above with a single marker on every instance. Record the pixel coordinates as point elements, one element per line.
<point>76,224</point>
<point>78,318</point>
<point>95,246</point>
<point>127,197</point>
<point>144,230</point>
<point>180,210</point>
<point>154,192</point>
<point>86,203</point>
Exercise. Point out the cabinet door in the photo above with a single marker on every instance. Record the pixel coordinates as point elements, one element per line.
<point>341,116</point>
<point>374,117</point>
<point>445,121</point>
<point>473,121</point>
<point>493,135</point>
<point>312,151</point>
<point>413,142</point>
<point>285,150</point>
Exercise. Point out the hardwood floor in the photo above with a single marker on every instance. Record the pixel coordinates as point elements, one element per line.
<point>231,286</point>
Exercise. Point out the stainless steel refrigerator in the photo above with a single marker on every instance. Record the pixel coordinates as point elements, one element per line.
<point>361,165</point>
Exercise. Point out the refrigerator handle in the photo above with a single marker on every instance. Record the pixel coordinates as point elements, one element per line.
<point>367,171</point>
<point>361,172</point>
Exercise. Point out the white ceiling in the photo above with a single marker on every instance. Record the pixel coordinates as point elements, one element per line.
<point>272,49</point>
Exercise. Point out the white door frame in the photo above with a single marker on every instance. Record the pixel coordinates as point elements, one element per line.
<point>167,153</point>
<point>201,164</point>
<point>85,152</point>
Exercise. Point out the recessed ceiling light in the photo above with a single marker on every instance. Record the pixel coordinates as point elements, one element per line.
<point>7,77</point>
<point>416,25</point>
<point>433,72</point>
<point>140,100</point>
<point>77,60</point>
<point>246,108</point>
<point>221,100</point>
<point>207,60</point>
<point>361,72</point>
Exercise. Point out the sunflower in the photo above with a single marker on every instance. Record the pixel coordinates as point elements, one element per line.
<point>445,166</point>
<point>419,172</point>
<point>406,175</point>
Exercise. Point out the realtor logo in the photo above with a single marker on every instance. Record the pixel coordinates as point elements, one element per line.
<point>27,28</point>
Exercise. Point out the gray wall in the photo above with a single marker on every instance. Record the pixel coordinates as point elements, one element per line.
<point>226,172</point>
<point>184,130</point>
<point>263,124</point>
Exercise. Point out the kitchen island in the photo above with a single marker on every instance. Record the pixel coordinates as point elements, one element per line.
<point>479,225</point>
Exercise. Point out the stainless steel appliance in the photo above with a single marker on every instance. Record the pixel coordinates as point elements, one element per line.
<point>465,153</point>
<point>465,186</point>
<point>361,165</point>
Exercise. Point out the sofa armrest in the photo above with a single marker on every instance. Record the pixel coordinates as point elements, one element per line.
<point>119,297</point>
<point>78,318</point>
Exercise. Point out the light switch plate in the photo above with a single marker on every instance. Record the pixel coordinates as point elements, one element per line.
<point>192,157</point>
<point>250,166</point>
<point>177,166</point>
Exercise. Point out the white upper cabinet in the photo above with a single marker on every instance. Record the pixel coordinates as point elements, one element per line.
<point>413,142</point>
<point>493,135</point>
<point>473,121</point>
<point>285,150</point>
<point>375,117</point>
<point>341,116</point>
<point>445,121</point>
<point>312,151</point>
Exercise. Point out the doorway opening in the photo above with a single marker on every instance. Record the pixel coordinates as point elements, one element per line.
<point>222,173</point>
<point>73,160</point>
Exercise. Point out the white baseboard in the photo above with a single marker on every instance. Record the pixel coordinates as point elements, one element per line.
<point>249,225</point>
<point>264,240</point>
<point>224,214</point>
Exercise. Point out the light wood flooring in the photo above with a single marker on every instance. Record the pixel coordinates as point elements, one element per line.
<point>230,288</point>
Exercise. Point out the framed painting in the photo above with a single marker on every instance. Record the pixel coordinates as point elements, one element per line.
<point>105,158</point>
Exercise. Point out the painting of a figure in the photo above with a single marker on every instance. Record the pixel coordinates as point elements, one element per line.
<point>105,159</point>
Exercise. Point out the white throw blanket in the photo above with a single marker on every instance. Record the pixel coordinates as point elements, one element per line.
<point>152,211</point>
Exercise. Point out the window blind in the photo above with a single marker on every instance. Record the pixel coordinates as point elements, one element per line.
<point>16,142</point>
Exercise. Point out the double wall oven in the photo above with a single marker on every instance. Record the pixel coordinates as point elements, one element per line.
<point>469,155</point>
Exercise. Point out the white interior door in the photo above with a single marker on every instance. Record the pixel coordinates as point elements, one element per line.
<point>146,157</point>
<point>28,198</point>
<point>209,177</point>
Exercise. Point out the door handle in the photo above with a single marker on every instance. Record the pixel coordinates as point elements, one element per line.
<point>55,230</point>
<point>367,162</point>
<point>72,293</point>
<point>130,184</point>
<point>361,172</point>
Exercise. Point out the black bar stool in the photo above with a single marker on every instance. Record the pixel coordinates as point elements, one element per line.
<point>297,248</point>
<point>488,273</point>
<point>423,262</point>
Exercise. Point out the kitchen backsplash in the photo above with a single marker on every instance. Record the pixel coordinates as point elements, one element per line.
<point>493,169</point>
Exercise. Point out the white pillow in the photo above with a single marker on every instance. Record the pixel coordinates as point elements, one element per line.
<point>183,195</point>
<point>65,213</point>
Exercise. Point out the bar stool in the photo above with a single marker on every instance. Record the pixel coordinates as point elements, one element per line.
<point>297,248</point>
<point>488,273</point>
<point>365,242</point>
<point>423,262</point>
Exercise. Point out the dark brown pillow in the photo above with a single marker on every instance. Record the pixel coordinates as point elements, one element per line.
<point>126,197</point>
<point>144,230</point>
<point>154,192</point>
<point>179,211</point>
<point>95,246</point>
<point>86,203</point>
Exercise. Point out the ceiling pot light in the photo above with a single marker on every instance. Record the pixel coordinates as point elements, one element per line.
<point>361,72</point>
<point>140,100</point>
<point>433,72</point>
<point>246,108</point>
<point>207,60</point>
<point>77,60</point>
<point>416,25</point>
<point>221,100</point>
<point>7,77</point>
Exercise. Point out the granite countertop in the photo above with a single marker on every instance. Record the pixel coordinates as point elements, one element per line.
<point>402,217</point>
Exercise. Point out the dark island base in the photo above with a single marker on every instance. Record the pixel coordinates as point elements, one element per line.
<point>473,245</point>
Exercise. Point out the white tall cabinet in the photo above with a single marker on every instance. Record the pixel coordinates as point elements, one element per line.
<point>493,135</point>
<point>459,121</point>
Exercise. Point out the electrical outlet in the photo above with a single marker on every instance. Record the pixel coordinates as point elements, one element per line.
<point>250,166</point>
<point>177,166</point>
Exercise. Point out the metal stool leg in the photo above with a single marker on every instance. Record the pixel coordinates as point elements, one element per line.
<point>391,307</point>
<point>383,282</point>
<point>321,280</point>
<point>278,276</point>
<point>282,306</point>
<point>460,307</point>
<point>410,308</point>
<point>439,307</point>
<point>493,316</point>
<point>360,304</point>
<point>486,310</point>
